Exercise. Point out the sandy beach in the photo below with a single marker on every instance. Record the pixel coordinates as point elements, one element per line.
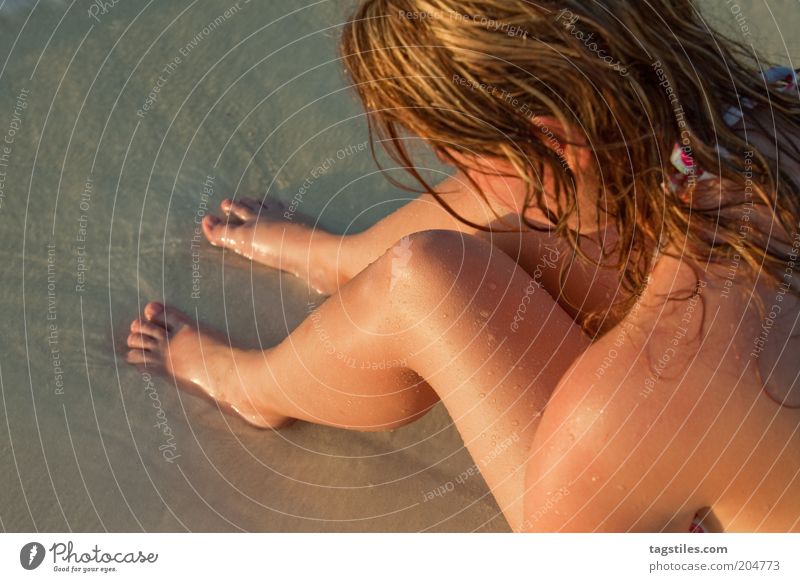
<point>122,125</point>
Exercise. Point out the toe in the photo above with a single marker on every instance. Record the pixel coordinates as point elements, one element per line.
<point>139,357</point>
<point>154,313</point>
<point>231,234</point>
<point>239,210</point>
<point>214,229</point>
<point>157,332</point>
<point>168,318</point>
<point>142,342</point>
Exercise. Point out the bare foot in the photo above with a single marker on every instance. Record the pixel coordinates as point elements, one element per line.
<point>261,232</point>
<point>169,340</point>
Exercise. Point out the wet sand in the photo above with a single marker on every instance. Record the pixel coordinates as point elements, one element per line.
<point>121,128</point>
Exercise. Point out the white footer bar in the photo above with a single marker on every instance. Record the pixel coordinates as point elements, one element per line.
<point>400,557</point>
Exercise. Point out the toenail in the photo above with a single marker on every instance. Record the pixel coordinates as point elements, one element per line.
<point>156,308</point>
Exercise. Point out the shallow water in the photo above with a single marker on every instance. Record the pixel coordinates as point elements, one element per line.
<point>103,179</point>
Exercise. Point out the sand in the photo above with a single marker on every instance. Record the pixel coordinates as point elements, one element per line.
<point>122,126</point>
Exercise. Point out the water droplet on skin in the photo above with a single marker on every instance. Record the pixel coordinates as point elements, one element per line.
<point>594,478</point>
<point>492,286</point>
<point>484,313</point>
<point>514,423</point>
<point>482,395</point>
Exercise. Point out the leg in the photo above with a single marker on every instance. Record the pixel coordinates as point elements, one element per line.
<point>398,337</point>
<point>271,235</point>
<point>274,235</point>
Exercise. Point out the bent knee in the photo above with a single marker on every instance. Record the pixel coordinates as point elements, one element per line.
<point>438,256</point>
<point>434,264</point>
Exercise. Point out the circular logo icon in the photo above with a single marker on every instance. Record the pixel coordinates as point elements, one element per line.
<point>31,555</point>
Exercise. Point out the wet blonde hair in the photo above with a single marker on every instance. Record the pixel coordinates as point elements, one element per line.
<point>473,76</point>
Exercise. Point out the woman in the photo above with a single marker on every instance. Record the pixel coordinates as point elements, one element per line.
<point>603,296</point>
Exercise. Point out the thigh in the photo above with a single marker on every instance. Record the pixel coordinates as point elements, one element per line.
<point>470,327</point>
<point>492,343</point>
